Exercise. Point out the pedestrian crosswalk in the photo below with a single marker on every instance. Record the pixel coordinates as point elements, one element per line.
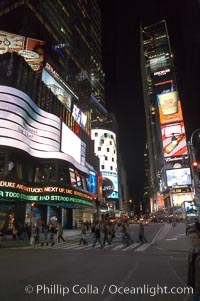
<point>75,246</point>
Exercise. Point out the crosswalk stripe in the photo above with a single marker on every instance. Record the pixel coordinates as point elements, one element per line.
<point>120,246</point>
<point>143,247</point>
<point>133,246</point>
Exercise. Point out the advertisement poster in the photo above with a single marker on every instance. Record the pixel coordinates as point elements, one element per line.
<point>10,42</point>
<point>169,107</point>
<point>31,49</point>
<point>174,140</point>
<point>57,89</point>
<point>178,177</point>
<point>34,53</point>
<point>110,185</point>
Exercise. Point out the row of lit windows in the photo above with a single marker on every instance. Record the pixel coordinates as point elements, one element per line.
<point>105,135</point>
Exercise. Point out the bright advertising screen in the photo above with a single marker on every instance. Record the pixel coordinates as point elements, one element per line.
<point>110,185</point>
<point>169,107</point>
<point>25,126</point>
<point>70,143</point>
<point>174,140</point>
<point>92,182</point>
<point>178,177</point>
<point>57,89</point>
<point>79,116</point>
<point>106,150</point>
<point>31,49</point>
<point>158,63</point>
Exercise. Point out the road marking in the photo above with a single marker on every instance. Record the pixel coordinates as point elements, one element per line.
<point>143,247</point>
<point>132,247</point>
<point>120,246</point>
<point>173,238</point>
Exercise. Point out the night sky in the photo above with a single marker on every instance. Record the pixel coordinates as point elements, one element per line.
<point>121,62</point>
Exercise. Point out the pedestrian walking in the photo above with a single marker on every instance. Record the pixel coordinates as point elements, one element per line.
<point>141,235</point>
<point>45,235</point>
<point>36,235</point>
<point>60,233</point>
<point>52,230</point>
<point>105,232</point>
<point>111,232</point>
<point>125,234</point>
<point>97,236</point>
<point>83,235</point>
<point>92,235</point>
<point>194,263</point>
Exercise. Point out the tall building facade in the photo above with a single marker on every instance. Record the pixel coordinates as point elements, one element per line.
<point>52,95</point>
<point>169,184</point>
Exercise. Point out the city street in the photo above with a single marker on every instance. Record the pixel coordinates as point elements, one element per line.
<point>61,273</point>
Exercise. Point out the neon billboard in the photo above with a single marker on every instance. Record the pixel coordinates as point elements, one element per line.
<point>31,49</point>
<point>174,140</point>
<point>169,107</point>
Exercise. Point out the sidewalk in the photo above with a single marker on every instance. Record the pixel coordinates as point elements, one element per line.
<point>67,233</point>
<point>175,239</point>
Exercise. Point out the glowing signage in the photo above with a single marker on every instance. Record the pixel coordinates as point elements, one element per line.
<point>178,177</point>
<point>25,126</point>
<point>57,89</point>
<point>92,182</point>
<point>169,107</point>
<point>106,150</point>
<point>12,190</point>
<point>174,140</point>
<point>70,143</point>
<point>22,121</point>
<point>158,62</point>
<point>79,116</point>
<point>31,49</point>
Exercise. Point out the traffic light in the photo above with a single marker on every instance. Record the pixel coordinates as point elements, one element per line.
<point>195,164</point>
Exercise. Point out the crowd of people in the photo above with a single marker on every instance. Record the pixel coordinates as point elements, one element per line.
<point>104,232</point>
<point>39,234</point>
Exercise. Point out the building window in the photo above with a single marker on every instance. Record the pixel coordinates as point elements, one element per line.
<point>113,160</point>
<point>102,141</point>
<point>105,135</point>
<point>106,158</point>
<point>96,134</point>
<point>102,167</point>
<point>108,149</point>
<point>72,177</point>
<point>111,168</point>
<point>63,174</point>
<point>45,172</point>
<point>99,148</point>
<point>110,142</point>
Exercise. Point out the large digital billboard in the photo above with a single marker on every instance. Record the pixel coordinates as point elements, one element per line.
<point>25,126</point>
<point>106,150</point>
<point>110,185</point>
<point>178,177</point>
<point>174,140</point>
<point>70,143</point>
<point>92,182</point>
<point>57,89</point>
<point>22,121</point>
<point>158,63</point>
<point>169,107</point>
<point>79,116</point>
<point>31,49</point>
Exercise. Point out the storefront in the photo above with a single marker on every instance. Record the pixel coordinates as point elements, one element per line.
<point>20,204</point>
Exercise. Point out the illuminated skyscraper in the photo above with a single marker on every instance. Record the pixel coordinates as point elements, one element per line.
<point>169,176</point>
<point>50,59</point>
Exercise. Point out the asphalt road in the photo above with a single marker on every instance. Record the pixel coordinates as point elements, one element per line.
<point>94,274</point>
